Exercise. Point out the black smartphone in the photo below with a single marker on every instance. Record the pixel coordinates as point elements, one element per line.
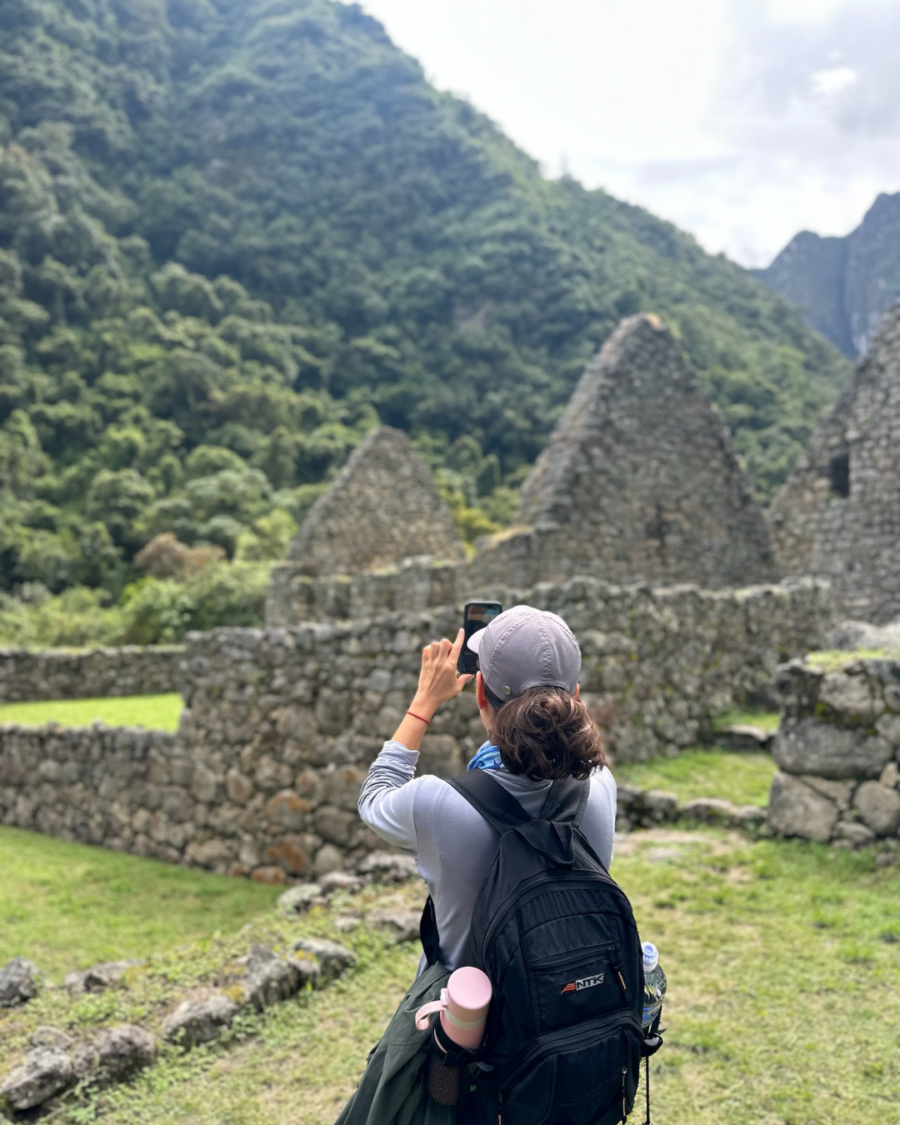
<point>476,616</point>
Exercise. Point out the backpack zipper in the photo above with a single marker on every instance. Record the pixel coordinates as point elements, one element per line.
<point>559,960</point>
<point>553,1039</point>
<point>515,898</point>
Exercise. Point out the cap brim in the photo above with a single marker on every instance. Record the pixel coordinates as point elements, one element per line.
<point>474,642</point>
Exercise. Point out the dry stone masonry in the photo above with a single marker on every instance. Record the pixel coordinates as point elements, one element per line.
<point>280,725</point>
<point>838,751</point>
<point>383,507</point>
<point>88,673</point>
<point>838,514</point>
<point>639,481</point>
<point>62,1066</point>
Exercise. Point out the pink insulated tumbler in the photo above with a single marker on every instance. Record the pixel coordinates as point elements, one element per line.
<point>463,1006</point>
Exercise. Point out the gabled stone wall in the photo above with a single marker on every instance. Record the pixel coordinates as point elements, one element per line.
<point>383,507</point>
<point>639,480</point>
<point>838,514</point>
<point>838,749</point>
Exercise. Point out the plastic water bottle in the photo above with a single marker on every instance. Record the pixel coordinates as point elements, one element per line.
<point>654,984</point>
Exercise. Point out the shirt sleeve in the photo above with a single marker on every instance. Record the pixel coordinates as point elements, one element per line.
<point>387,798</point>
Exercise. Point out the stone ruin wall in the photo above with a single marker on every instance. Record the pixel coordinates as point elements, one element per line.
<point>638,481</point>
<point>90,673</point>
<point>838,514</point>
<point>280,725</point>
<point>838,752</point>
<point>382,507</point>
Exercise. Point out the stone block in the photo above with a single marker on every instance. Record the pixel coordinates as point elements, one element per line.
<point>402,925</point>
<point>200,1018</point>
<point>204,784</point>
<point>332,711</point>
<point>709,810</point>
<point>46,1036</point>
<point>856,834</point>
<point>659,805</point>
<point>271,775</point>
<point>879,807</point>
<point>288,812</point>
<point>341,787</point>
<point>829,751</point>
<point>274,875</point>
<point>837,791</point>
<point>340,881</point>
<point>116,1055</point>
<point>210,853</point>
<point>441,755</point>
<point>328,859</point>
<point>308,785</point>
<point>46,1072</point>
<point>797,810</point>
<point>388,867</point>
<point>265,978</point>
<point>850,697</point>
<point>238,786</point>
<point>19,982</point>
<point>297,724</point>
<point>98,978</point>
<point>890,776</point>
<point>292,854</point>
<point>337,826</point>
<point>298,899</point>
<point>333,958</point>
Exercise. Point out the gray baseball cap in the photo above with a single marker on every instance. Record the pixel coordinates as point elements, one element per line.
<point>524,648</point>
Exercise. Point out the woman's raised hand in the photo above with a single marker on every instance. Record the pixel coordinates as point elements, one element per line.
<point>438,680</point>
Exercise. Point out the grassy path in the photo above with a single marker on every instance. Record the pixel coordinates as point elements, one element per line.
<point>67,906</point>
<point>784,999</point>
<point>744,779</point>
<point>156,712</point>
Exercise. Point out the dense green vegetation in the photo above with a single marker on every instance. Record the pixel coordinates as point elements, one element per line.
<point>236,234</point>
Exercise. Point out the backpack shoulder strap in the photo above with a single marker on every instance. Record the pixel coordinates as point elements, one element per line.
<point>498,806</point>
<point>566,801</point>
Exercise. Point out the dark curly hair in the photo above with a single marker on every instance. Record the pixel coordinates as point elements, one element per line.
<point>546,733</point>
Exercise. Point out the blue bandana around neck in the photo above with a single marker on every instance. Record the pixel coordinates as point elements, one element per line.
<point>487,758</point>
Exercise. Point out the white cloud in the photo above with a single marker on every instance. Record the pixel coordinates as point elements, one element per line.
<point>833,79</point>
<point>743,121</point>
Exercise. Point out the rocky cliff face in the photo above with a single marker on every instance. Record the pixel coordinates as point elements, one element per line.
<point>845,284</point>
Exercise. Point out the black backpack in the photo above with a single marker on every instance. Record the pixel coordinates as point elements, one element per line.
<point>558,940</point>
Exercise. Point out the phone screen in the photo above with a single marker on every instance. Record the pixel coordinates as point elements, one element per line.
<point>477,615</point>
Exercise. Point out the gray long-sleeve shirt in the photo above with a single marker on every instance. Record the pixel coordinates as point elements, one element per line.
<point>453,845</point>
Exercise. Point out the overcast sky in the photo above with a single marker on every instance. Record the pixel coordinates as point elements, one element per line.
<point>743,121</point>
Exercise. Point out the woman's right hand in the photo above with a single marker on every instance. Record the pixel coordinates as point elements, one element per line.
<point>438,679</point>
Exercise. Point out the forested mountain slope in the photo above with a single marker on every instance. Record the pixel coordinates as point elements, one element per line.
<point>236,233</point>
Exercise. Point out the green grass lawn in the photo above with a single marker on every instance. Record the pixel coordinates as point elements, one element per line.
<point>67,906</point>
<point>783,1001</point>
<point>766,720</point>
<point>743,778</point>
<point>157,712</point>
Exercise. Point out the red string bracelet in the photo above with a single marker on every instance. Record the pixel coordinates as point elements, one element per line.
<point>427,722</point>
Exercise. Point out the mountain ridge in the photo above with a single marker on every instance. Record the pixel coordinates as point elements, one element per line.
<point>845,283</point>
<point>234,237</point>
